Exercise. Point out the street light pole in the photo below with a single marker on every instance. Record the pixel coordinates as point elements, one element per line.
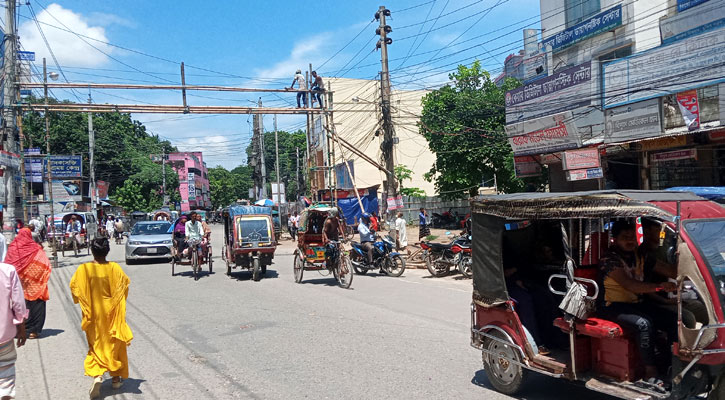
<point>91,147</point>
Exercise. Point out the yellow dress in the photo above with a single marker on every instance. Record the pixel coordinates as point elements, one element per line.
<point>101,290</point>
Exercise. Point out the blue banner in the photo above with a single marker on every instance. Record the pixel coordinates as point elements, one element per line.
<point>683,5</point>
<point>599,23</point>
<point>66,166</point>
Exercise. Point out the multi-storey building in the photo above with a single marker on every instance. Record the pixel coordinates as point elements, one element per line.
<point>193,180</point>
<point>513,67</point>
<point>631,95</point>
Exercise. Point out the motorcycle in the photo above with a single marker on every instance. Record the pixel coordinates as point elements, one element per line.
<point>439,257</point>
<point>463,251</point>
<point>385,258</point>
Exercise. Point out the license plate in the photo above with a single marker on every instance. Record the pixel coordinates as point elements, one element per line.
<point>152,250</point>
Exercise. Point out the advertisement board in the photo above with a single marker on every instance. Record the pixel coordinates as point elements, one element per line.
<point>564,90</point>
<point>683,5</point>
<point>689,108</point>
<point>580,159</point>
<point>604,21</point>
<point>33,166</point>
<point>692,22</point>
<point>526,166</point>
<point>584,174</point>
<point>191,186</point>
<point>66,166</point>
<point>674,155</point>
<point>633,121</point>
<point>697,61</point>
<point>544,135</point>
<point>66,190</point>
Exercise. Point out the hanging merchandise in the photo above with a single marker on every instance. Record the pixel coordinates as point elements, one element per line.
<point>689,108</point>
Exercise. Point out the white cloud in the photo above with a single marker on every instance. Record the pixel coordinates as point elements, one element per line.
<point>68,48</point>
<point>308,50</point>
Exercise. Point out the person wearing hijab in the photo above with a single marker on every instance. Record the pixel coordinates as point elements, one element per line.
<point>100,287</point>
<point>33,268</point>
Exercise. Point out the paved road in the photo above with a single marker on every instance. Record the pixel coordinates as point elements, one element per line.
<point>229,337</point>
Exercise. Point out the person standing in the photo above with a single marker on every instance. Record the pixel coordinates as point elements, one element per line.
<point>318,87</point>
<point>110,226</point>
<point>39,227</point>
<point>423,230</point>
<point>12,315</point>
<point>295,221</point>
<point>402,236</point>
<point>301,87</point>
<point>33,269</point>
<point>100,288</point>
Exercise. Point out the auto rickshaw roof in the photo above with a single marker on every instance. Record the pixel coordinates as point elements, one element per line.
<point>589,204</point>
<point>249,210</point>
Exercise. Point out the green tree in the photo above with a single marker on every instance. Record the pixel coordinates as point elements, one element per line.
<point>464,125</point>
<point>403,173</point>
<point>288,145</point>
<point>129,197</point>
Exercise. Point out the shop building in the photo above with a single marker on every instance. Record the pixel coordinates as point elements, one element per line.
<point>193,180</point>
<point>631,91</point>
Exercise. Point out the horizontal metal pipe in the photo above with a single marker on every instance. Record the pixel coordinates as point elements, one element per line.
<point>69,85</point>
<point>174,109</point>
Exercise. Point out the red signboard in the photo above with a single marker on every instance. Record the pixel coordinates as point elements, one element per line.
<point>581,159</point>
<point>526,166</point>
<point>674,155</point>
<point>689,108</point>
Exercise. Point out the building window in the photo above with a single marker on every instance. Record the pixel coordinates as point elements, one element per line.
<point>579,10</point>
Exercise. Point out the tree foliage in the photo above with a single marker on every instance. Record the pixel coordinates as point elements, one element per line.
<point>122,151</point>
<point>288,145</point>
<point>402,174</point>
<point>464,125</point>
<point>226,186</point>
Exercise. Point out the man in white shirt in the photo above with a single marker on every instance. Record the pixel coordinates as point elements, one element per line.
<point>110,226</point>
<point>294,225</point>
<point>401,228</point>
<point>194,229</point>
<point>301,87</point>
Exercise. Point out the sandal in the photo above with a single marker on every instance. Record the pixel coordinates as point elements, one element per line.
<point>95,391</point>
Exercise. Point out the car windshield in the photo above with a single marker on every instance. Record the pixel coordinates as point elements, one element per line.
<point>708,236</point>
<point>253,229</point>
<point>150,229</point>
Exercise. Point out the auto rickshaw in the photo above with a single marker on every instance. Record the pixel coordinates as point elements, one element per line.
<point>596,351</point>
<point>249,240</point>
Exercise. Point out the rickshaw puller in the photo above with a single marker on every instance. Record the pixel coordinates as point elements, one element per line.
<point>193,228</point>
<point>74,229</point>
<point>332,230</point>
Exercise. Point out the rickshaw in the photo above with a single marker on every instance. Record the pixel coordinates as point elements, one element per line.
<point>249,240</point>
<point>66,242</point>
<point>310,252</point>
<point>161,215</point>
<point>198,258</point>
<point>599,353</point>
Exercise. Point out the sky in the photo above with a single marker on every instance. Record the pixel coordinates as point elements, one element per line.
<point>257,44</point>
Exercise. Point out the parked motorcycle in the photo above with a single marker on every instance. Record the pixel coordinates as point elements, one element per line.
<point>439,257</point>
<point>385,258</point>
<point>463,251</point>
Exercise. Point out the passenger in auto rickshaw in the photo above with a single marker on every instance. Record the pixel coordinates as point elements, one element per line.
<point>623,274</point>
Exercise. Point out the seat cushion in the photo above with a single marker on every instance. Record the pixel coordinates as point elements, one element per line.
<point>593,327</point>
<point>439,246</point>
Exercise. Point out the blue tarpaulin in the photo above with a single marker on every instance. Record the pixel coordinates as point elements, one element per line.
<point>351,209</point>
<point>709,192</point>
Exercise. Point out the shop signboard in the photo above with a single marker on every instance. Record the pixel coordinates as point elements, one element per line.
<point>690,63</point>
<point>689,108</point>
<point>66,166</point>
<point>581,159</point>
<point>663,143</point>
<point>191,186</point>
<point>633,121</point>
<point>10,160</point>
<point>584,174</point>
<point>602,22</point>
<point>674,155</point>
<point>33,166</point>
<point>692,22</point>
<point>526,166</point>
<point>717,136</point>
<point>544,135</point>
<point>564,90</point>
<point>683,5</point>
<point>721,103</point>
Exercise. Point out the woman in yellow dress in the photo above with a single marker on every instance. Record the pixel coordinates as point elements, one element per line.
<point>101,289</point>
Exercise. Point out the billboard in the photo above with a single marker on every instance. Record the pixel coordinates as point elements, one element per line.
<point>544,135</point>
<point>191,186</point>
<point>66,166</point>
<point>602,22</point>
<point>692,22</point>
<point>633,121</point>
<point>33,166</point>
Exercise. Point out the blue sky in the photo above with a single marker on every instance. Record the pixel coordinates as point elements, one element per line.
<point>260,44</point>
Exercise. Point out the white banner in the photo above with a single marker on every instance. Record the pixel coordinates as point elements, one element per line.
<point>694,62</point>
<point>544,135</point>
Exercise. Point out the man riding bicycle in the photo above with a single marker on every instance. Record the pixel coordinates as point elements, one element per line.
<point>194,230</point>
<point>73,229</point>
<point>332,231</point>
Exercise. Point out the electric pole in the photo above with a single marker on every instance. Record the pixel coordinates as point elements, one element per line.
<point>163,173</point>
<point>388,144</point>
<point>91,147</point>
<point>263,167</point>
<point>276,160</point>
<point>9,100</point>
<point>47,155</point>
<point>297,179</point>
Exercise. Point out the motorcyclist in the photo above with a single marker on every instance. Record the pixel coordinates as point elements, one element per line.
<point>367,237</point>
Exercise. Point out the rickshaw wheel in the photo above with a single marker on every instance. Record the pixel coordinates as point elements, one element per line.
<point>299,266</point>
<point>256,270</point>
<point>210,262</point>
<point>505,376</point>
<point>344,271</point>
<point>195,264</point>
<point>173,264</point>
<point>718,391</point>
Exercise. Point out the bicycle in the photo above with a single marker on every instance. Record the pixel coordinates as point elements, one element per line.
<point>339,264</point>
<point>195,250</point>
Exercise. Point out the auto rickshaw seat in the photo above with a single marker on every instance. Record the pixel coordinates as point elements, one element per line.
<point>592,327</point>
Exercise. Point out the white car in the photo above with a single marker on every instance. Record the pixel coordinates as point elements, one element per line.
<point>147,240</point>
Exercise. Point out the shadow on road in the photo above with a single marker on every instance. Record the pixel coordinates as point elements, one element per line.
<point>190,274</point>
<point>50,332</point>
<point>540,387</point>
<point>246,275</point>
<point>130,386</point>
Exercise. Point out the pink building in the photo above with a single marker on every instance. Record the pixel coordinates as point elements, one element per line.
<point>193,180</point>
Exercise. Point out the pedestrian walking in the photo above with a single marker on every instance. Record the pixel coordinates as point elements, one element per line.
<point>317,88</point>
<point>301,82</point>
<point>101,289</point>
<point>423,230</point>
<point>33,269</point>
<point>12,315</point>
<point>295,222</point>
<point>110,226</point>
<point>402,236</point>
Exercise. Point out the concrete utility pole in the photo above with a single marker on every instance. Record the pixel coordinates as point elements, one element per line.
<point>297,179</point>
<point>388,144</point>
<point>276,160</point>
<point>51,228</point>
<point>9,100</point>
<point>263,168</point>
<point>91,147</point>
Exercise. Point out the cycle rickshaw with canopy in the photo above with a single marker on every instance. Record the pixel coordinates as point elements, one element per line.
<point>249,239</point>
<point>595,350</point>
<point>310,254</point>
<point>199,256</point>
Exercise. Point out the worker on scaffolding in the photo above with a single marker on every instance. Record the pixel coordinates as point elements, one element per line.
<point>301,87</point>
<point>317,88</point>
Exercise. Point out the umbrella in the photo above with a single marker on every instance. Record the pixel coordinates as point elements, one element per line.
<point>264,202</point>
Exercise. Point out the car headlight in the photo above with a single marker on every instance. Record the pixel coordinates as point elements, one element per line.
<point>134,242</point>
<point>166,242</point>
